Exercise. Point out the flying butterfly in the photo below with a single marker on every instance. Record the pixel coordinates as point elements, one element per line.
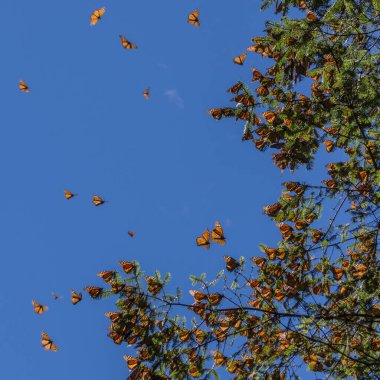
<point>47,343</point>
<point>97,201</point>
<point>217,234</point>
<point>94,291</point>
<point>239,60</point>
<point>56,296</point>
<point>69,194</point>
<point>97,15</point>
<point>193,18</point>
<point>131,233</point>
<point>231,263</point>
<point>75,297</point>
<point>146,93</point>
<point>127,44</point>
<point>38,308</point>
<point>204,240</point>
<point>23,86</point>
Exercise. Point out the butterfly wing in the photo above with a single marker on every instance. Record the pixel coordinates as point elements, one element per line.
<point>217,234</point>
<point>23,86</point>
<point>239,60</point>
<point>193,18</point>
<point>47,343</point>
<point>69,194</point>
<point>38,308</point>
<point>204,240</point>
<point>97,201</point>
<point>97,15</point>
<point>75,297</point>
<point>146,93</point>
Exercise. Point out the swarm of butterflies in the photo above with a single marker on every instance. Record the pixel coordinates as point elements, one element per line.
<point>205,240</point>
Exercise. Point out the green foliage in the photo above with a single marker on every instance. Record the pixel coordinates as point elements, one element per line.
<point>314,299</point>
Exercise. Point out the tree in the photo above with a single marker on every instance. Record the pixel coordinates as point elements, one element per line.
<point>314,299</point>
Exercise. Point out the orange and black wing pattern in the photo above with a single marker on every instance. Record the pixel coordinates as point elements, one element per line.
<point>97,15</point>
<point>217,234</point>
<point>23,86</point>
<point>127,44</point>
<point>47,343</point>
<point>239,60</point>
<point>38,308</point>
<point>94,291</point>
<point>69,194</point>
<point>204,240</point>
<point>97,201</point>
<point>128,266</point>
<point>193,18</point>
<point>75,297</point>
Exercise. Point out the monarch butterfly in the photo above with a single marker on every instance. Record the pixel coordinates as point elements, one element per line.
<point>146,93</point>
<point>56,296</point>
<point>193,18</point>
<point>23,86</point>
<point>93,291</point>
<point>38,308</point>
<point>47,343</point>
<point>75,297</point>
<point>97,201</point>
<point>128,266</point>
<point>217,235</point>
<point>231,263</point>
<point>131,362</point>
<point>97,15</point>
<point>107,276</point>
<point>127,44</point>
<point>239,60</point>
<point>113,316</point>
<point>69,194</point>
<point>131,233</point>
<point>204,240</point>
<point>116,337</point>
<point>154,286</point>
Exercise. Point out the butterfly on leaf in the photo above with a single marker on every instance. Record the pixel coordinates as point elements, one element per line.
<point>69,194</point>
<point>97,15</point>
<point>193,18</point>
<point>127,44</point>
<point>56,296</point>
<point>97,201</point>
<point>75,297</point>
<point>107,275</point>
<point>239,60</point>
<point>131,233</point>
<point>146,93</point>
<point>204,240</point>
<point>38,308</point>
<point>128,266</point>
<point>47,343</point>
<point>217,234</point>
<point>94,291</point>
<point>131,362</point>
<point>23,86</point>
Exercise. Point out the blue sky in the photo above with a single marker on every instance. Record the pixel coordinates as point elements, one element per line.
<point>166,167</point>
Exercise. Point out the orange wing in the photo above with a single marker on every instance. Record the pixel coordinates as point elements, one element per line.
<point>193,18</point>
<point>23,87</point>
<point>217,235</point>
<point>47,343</point>
<point>127,44</point>
<point>97,15</point>
<point>107,276</point>
<point>131,233</point>
<point>38,308</point>
<point>204,240</point>
<point>97,201</point>
<point>94,291</point>
<point>128,266</point>
<point>69,194</point>
<point>239,60</point>
<point>75,297</point>
<point>131,362</point>
<point>146,93</point>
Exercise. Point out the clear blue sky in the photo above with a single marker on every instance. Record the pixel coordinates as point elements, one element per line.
<point>167,168</point>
